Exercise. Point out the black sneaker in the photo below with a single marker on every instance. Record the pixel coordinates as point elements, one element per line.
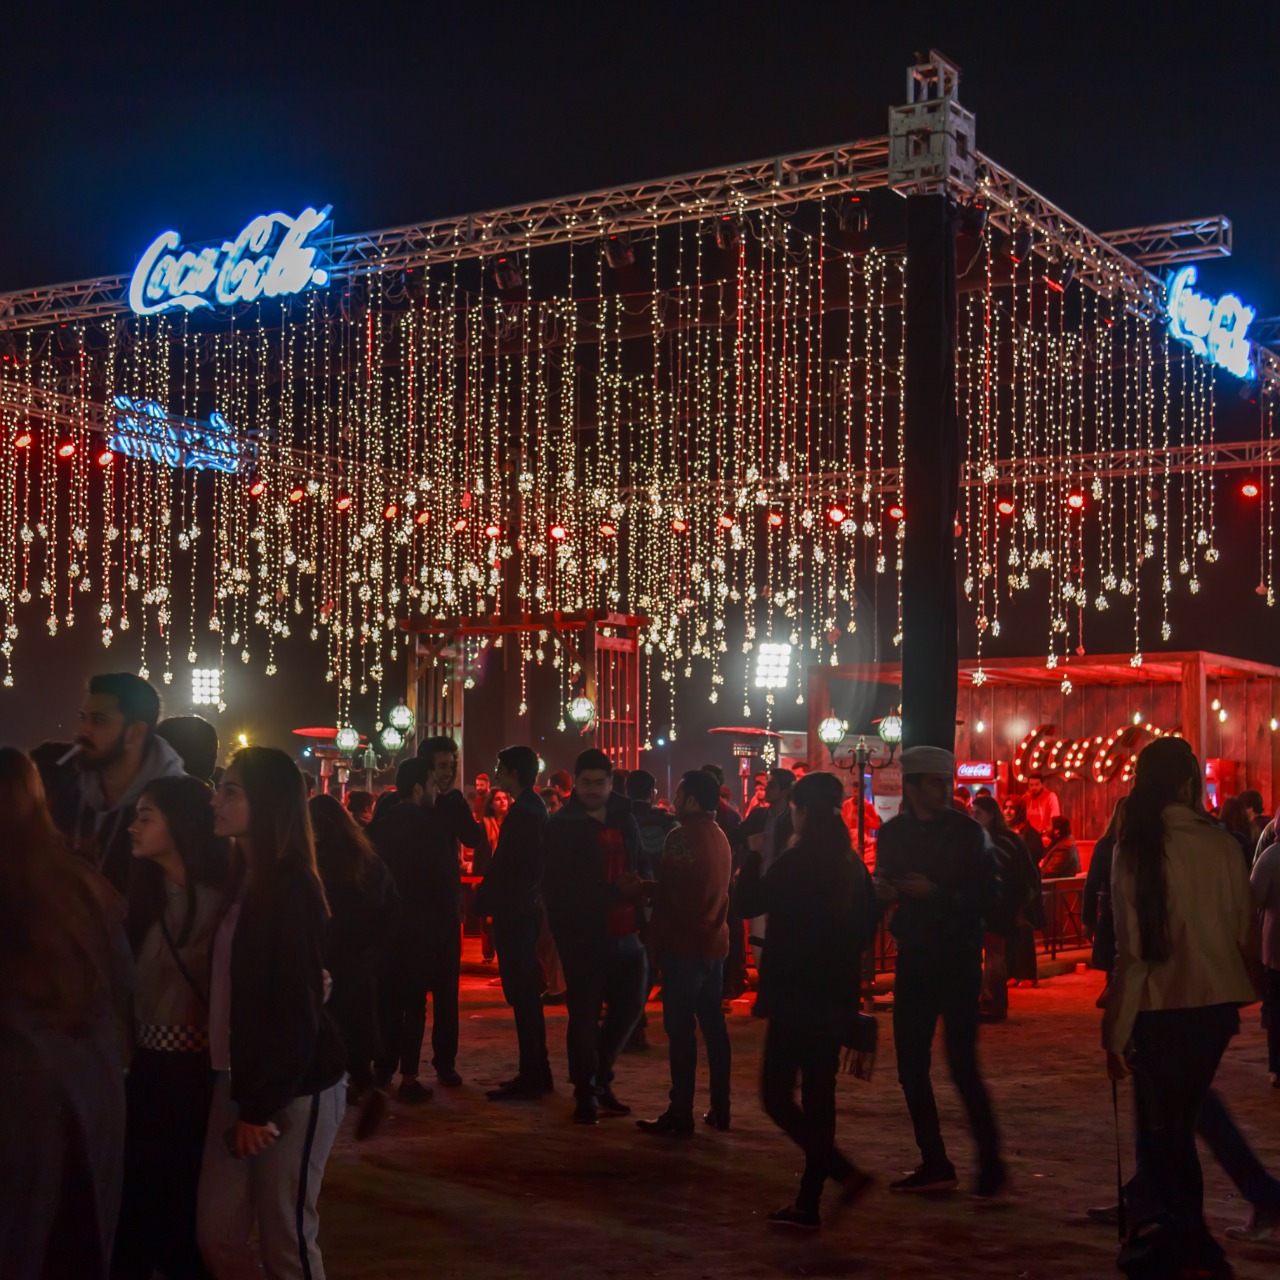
<point>717,1119</point>
<point>585,1111</point>
<point>670,1125</point>
<point>413,1092</point>
<point>448,1077</point>
<point>608,1102</point>
<point>992,1181</point>
<point>1108,1215</point>
<point>519,1090</point>
<point>797,1218</point>
<point>941,1178</point>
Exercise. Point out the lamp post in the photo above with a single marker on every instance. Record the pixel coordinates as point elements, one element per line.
<point>832,733</point>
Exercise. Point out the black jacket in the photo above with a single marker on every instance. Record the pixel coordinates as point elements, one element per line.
<point>284,1044</point>
<point>655,825</point>
<point>422,856</point>
<point>584,905</point>
<point>510,886</point>
<point>952,851</point>
<point>817,900</point>
<point>456,817</point>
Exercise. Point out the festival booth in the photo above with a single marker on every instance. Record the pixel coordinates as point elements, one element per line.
<point>1014,720</point>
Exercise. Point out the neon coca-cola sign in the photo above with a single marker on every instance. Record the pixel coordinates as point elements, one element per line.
<point>1043,754</point>
<point>1216,331</point>
<point>147,430</point>
<point>270,258</point>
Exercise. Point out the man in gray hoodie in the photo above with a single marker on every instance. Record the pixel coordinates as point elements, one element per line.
<point>118,755</point>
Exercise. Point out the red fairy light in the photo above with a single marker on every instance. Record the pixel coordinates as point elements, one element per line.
<point>66,449</point>
<point>422,517</point>
<point>106,458</point>
<point>343,502</point>
<point>257,488</point>
<point>1005,506</point>
<point>297,493</point>
<point>390,511</point>
<point>23,441</point>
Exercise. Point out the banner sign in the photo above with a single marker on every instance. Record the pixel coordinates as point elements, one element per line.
<point>147,431</point>
<point>1214,330</point>
<point>270,258</point>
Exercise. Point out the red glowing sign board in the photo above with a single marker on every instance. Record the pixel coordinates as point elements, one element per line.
<point>976,771</point>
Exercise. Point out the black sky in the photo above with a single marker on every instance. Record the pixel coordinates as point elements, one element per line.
<point>118,121</point>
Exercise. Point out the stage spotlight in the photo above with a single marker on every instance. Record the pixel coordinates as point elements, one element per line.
<point>106,458</point>
<point>297,493</point>
<point>852,216</point>
<point>1020,245</point>
<point>390,511</point>
<point>506,274</point>
<point>422,517</point>
<point>257,488</point>
<point>1075,501</point>
<point>493,530</point>
<point>608,531</point>
<point>728,233</point>
<point>66,449</point>
<point>837,514</point>
<point>972,218</point>
<point>1250,489</point>
<point>679,525</point>
<point>559,533</point>
<point>1006,506</point>
<point>896,512</point>
<point>1059,273</point>
<point>343,502</point>
<point>618,252</point>
<point>23,440</point>
<point>775,519</point>
<point>460,525</point>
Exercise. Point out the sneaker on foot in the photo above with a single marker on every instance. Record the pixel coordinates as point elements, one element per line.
<point>942,1178</point>
<point>717,1119</point>
<point>796,1217</point>
<point>1106,1215</point>
<point>667,1124</point>
<point>373,1110</point>
<point>585,1111</point>
<point>1263,1226</point>
<point>413,1092</point>
<point>609,1102</point>
<point>448,1077</point>
<point>519,1090</point>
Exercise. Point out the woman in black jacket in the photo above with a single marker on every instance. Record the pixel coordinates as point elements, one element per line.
<point>278,1097</point>
<point>816,896</point>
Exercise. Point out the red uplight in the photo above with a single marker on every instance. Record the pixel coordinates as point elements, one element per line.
<point>559,533</point>
<point>460,524</point>
<point>23,441</point>
<point>344,502</point>
<point>297,493</point>
<point>390,511</point>
<point>492,530</point>
<point>608,531</point>
<point>66,449</point>
<point>726,522</point>
<point>896,512</point>
<point>106,458</point>
<point>775,520</point>
<point>680,526</point>
<point>1250,489</point>
<point>257,488</point>
<point>422,517</point>
<point>1005,506</point>
<point>837,515</point>
<point>1075,501</point>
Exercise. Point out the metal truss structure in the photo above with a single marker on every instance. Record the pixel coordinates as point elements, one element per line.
<point>1173,243</point>
<point>1255,456</point>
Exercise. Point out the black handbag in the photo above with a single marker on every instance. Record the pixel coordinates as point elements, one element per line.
<point>860,1040</point>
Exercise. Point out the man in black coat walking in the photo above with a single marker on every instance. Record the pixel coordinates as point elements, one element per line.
<point>591,856</point>
<point>509,893</point>
<point>421,854</point>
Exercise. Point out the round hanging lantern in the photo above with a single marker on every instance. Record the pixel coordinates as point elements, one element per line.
<point>582,710</point>
<point>347,738</point>
<point>392,739</point>
<point>831,731</point>
<point>891,729</point>
<point>400,717</point>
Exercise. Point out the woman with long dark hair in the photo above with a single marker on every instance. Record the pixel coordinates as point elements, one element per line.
<point>1095,911</point>
<point>365,905</point>
<point>1011,956</point>
<point>816,895</point>
<point>175,898</point>
<point>63,990</point>
<point>278,1097</point>
<point>1183,916</point>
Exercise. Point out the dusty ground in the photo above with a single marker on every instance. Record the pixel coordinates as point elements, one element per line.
<point>466,1188</point>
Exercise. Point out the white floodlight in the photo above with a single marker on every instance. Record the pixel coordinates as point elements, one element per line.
<point>206,686</point>
<point>773,666</point>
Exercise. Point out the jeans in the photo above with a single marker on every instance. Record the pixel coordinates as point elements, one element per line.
<point>928,987</point>
<point>995,977</point>
<point>1176,1053</point>
<point>276,1190</point>
<point>612,972</point>
<point>516,939</point>
<point>691,998</point>
<point>1273,1021</point>
<point>791,1047</point>
<point>402,996</point>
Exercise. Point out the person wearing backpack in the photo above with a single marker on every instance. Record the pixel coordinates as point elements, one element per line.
<point>1012,912</point>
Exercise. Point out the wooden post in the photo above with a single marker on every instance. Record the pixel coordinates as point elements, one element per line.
<point>1195,704</point>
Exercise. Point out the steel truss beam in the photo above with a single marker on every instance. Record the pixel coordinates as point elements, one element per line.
<point>1257,456</point>
<point>1171,243</point>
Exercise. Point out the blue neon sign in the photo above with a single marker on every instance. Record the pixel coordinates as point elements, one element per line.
<point>270,258</point>
<point>145,430</point>
<point>1214,330</point>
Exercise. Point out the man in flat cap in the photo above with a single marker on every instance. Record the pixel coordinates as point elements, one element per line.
<point>932,861</point>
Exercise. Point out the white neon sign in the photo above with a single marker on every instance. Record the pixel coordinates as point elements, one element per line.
<point>145,430</point>
<point>241,270</point>
<point>1214,330</point>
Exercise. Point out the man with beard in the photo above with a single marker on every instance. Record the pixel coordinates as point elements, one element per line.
<point>119,755</point>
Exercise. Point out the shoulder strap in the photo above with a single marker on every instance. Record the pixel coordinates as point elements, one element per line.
<point>182,968</point>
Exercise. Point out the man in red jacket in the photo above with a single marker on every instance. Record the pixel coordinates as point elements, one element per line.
<point>689,936</point>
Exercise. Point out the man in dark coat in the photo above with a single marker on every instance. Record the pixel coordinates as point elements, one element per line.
<point>509,893</point>
<point>421,853</point>
<point>591,854</point>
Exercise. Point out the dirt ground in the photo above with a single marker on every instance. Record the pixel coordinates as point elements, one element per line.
<point>465,1188</point>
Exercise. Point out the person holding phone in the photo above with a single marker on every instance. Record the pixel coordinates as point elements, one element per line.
<point>278,1094</point>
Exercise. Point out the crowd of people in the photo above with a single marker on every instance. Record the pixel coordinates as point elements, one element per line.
<point>201,969</point>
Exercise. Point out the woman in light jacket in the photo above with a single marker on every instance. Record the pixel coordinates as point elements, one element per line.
<point>1183,915</point>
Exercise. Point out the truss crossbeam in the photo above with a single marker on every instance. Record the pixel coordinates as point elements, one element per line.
<point>1173,243</point>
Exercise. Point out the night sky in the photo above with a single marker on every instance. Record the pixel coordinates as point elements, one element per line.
<point>122,120</point>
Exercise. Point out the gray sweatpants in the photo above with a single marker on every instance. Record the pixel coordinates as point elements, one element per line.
<point>275,1192</point>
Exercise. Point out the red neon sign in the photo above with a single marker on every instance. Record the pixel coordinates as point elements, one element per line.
<point>1042,753</point>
